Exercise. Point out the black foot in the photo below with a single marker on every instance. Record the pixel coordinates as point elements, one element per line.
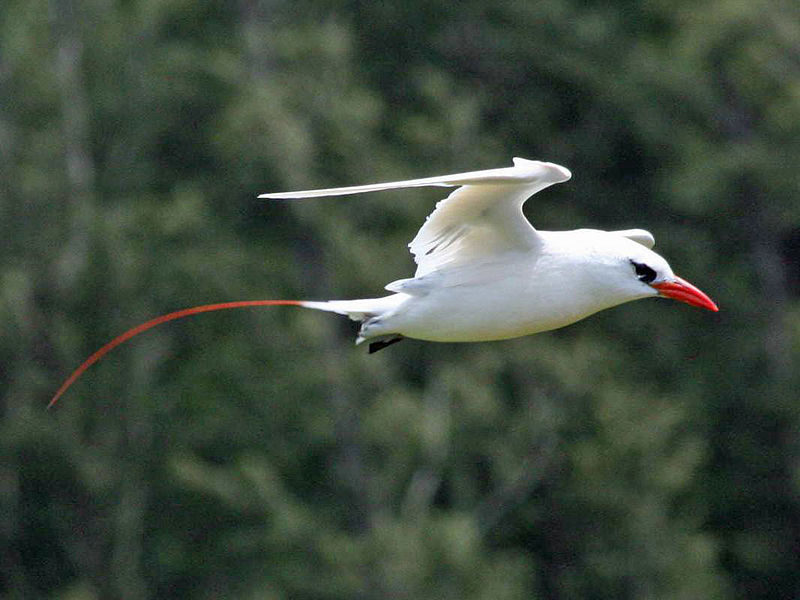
<point>381,344</point>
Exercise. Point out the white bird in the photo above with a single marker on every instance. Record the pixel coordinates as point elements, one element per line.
<point>483,272</point>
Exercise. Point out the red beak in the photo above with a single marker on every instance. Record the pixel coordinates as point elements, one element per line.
<point>680,289</point>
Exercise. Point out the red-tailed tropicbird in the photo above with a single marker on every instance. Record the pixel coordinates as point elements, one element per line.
<point>483,272</point>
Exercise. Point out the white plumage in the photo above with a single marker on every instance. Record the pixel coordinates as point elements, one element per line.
<point>484,272</point>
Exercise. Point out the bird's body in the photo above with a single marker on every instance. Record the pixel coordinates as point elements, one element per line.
<point>515,294</point>
<point>483,272</point>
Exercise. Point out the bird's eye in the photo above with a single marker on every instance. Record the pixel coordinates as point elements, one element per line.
<point>643,272</point>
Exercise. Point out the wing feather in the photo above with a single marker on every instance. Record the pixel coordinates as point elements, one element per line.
<point>476,222</point>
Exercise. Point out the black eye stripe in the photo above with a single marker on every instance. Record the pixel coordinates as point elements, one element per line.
<point>643,272</point>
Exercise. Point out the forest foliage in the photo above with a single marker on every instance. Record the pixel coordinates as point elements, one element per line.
<point>651,451</point>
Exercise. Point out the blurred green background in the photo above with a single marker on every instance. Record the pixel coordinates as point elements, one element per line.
<point>652,451</point>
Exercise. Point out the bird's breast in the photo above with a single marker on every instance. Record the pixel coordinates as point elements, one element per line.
<point>505,302</point>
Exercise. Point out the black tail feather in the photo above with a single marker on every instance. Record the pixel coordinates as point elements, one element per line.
<point>381,344</point>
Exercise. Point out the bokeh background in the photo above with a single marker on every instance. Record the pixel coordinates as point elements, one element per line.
<point>650,452</point>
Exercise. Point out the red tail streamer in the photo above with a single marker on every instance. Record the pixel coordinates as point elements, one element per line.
<point>178,314</point>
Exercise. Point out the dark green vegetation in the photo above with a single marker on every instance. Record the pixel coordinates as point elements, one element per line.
<point>652,451</point>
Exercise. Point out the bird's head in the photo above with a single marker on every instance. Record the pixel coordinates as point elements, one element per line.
<point>642,272</point>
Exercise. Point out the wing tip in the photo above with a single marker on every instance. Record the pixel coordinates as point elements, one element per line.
<point>640,236</point>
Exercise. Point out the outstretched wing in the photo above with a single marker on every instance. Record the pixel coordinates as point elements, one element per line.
<point>482,218</point>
